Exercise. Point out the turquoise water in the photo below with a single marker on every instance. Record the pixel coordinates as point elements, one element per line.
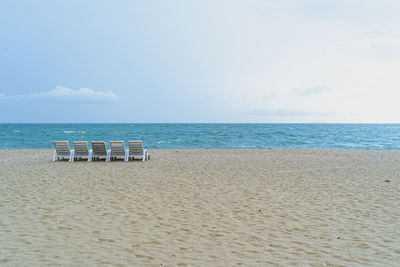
<point>181,136</point>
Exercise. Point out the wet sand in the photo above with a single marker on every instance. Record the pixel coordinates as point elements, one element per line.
<point>202,208</point>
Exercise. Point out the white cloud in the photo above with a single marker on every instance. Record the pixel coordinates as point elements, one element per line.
<point>368,43</point>
<point>68,95</point>
<point>289,113</point>
<point>280,113</point>
<point>65,94</point>
<point>310,90</point>
<point>388,40</point>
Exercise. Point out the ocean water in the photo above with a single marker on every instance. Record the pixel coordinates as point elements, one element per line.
<point>199,135</point>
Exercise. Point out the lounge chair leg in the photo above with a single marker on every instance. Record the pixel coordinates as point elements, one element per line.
<point>72,155</point>
<point>90,155</point>
<point>108,155</point>
<point>126,157</point>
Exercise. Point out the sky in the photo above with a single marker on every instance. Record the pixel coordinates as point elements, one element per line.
<point>256,61</point>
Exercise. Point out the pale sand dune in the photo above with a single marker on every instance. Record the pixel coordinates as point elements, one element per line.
<point>202,207</point>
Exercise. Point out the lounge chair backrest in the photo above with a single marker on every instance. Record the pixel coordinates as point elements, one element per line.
<point>81,148</point>
<point>117,148</point>
<point>62,148</point>
<point>135,147</point>
<point>99,148</point>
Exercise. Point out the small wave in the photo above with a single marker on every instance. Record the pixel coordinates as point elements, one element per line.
<point>16,131</point>
<point>68,132</point>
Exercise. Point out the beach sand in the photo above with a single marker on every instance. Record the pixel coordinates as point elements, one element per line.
<point>202,208</point>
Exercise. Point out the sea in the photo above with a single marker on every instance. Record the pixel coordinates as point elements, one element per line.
<point>207,135</point>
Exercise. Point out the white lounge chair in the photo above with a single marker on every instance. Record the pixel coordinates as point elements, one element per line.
<point>135,149</point>
<point>99,150</point>
<point>117,150</point>
<point>82,151</point>
<point>62,151</point>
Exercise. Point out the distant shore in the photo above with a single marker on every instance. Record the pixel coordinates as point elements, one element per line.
<point>199,207</point>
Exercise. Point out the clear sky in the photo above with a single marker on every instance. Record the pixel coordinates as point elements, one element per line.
<point>200,61</point>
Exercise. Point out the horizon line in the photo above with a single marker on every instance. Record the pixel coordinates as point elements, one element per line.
<point>199,122</point>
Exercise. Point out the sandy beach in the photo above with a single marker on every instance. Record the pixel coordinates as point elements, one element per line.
<point>202,208</point>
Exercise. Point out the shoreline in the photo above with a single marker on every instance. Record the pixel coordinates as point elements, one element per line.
<point>227,149</point>
<point>202,207</point>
